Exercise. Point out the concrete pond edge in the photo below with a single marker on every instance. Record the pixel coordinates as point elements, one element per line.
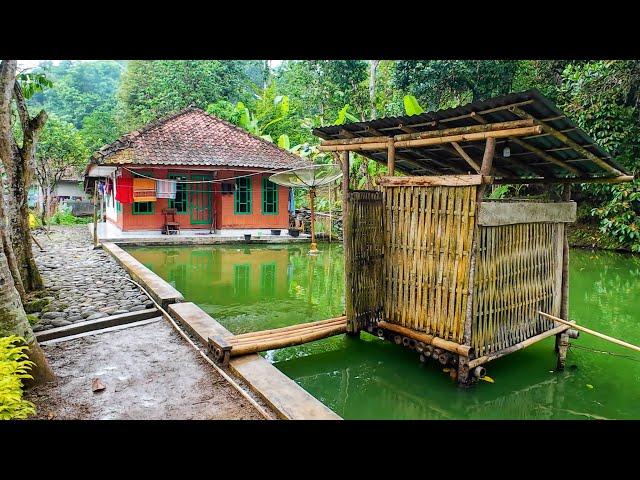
<point>288,399</point>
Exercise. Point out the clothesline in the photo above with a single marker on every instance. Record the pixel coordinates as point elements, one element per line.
<point>209,181</point>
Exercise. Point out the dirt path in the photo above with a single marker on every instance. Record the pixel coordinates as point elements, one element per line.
<point>149,372</point>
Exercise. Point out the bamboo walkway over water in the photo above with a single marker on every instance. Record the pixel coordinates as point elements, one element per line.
<point>253,342</point>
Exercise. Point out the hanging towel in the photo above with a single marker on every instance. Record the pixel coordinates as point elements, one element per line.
<point>144,190</point>
<point>107,187</point>
<point>124,190</point>
<point>166,189</point>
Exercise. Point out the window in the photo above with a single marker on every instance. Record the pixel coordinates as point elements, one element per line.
<point>180,203</point>
<point>268,279</point>
<point>269,197</point>
<point>242,196</point>
<point>241,279</point>
<point>142,208</point>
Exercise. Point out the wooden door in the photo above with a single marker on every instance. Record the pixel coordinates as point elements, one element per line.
<point>200,200</point>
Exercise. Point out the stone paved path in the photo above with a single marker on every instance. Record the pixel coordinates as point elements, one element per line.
<point>84,283</point>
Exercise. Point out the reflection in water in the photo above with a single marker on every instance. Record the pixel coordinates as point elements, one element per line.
<point>254,288</point>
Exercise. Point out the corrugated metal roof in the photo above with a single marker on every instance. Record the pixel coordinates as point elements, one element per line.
<point>522,163</point>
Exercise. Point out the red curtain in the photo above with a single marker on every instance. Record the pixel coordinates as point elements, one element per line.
<point>124,190</point>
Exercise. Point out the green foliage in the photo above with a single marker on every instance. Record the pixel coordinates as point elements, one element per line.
<point>620,215</point>
<point>448,83</point>
<point>65,217</point>
<point>33,82</point>
<point>14,368</point>
<point>500,191</point>
<point>61,145</point>
<point>411,105</point>
<point>150,89</point>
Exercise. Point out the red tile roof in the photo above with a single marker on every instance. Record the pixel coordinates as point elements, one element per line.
<point>193,137</point>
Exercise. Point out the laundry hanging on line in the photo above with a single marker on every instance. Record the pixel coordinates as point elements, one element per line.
<point>144,190</point>
<point>166,189</point>
<point>124,190</point>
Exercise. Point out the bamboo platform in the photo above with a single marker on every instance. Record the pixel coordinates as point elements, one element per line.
<point>223,348</point>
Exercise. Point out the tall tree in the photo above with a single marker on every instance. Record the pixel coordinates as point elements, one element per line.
<point>13,319</point>
<point>373,67</point>
<point>18,160</point>
<point>447,83</point>
<point>61,151</point>
<point>151,89</point>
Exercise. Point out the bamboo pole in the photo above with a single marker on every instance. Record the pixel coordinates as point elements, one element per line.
<point>565,180</point>
<point>464,130</point>
<point>564,139</point>
<point>312,201</point>
<point>518,346</point>
<point>427,339</point>
<point>279,332</point>
<point>592,332</point>
<point>287,342</point>
<point>391,158</point>
<point>466,137</point>
<point>352,327</point>
<point>466,156</point>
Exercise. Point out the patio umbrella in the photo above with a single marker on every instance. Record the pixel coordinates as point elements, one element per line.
<point>309,178</point>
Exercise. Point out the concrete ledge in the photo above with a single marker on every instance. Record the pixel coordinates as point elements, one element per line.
<point>97,324</point>
<point>493,214</point>
<point>286,397</point>
<point>161,291</point>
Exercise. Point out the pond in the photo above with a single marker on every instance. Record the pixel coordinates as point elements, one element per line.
<point>248,288</point>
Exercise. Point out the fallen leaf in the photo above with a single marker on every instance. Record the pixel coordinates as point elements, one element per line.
<point>97,385</point>
<point>446,370</point>
<point>487,378</point>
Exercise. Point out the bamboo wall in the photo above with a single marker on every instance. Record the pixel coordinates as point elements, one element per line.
<point>412,251</point>
<point>366,255</point>
<point>428,233</point>
<point>518,272</point>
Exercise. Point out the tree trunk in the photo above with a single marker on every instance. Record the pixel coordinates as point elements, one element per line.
<point>45,204</point>
<point>13,319</point>
<point>8,251</point>
<point>19,226</point>
<point>373,66</point>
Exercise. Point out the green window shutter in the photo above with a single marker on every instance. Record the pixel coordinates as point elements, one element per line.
<point>143,208</point>
<point>242,196</point>
<point>269,197</point>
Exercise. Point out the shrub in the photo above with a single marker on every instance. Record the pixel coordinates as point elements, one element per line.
<point>13,369</point>
<point>65,217</point>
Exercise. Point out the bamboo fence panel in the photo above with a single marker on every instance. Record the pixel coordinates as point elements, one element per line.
<point>428,233</point>
<point>517,273</point>
<point>366,247</point>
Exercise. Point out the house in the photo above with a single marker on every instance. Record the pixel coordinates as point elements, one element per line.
<point>67,190</point>
<point>218,176</point>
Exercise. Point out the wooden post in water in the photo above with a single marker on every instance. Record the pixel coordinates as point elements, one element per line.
<point>352,327</point>
<point>485,171</point>
<point>562,339</point>
<point>95,214</point>
<point>312,201</point>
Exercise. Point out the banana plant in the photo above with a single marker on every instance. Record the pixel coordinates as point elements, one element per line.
<point>411,105</point>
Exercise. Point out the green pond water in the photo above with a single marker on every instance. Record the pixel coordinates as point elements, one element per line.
<point>255,288</point>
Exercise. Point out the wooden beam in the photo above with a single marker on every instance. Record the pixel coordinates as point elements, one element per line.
<point>466,156</point>
<point>428,181</point>
<point>391,157</point>
<point>563,138</point>
<point>427,339</point>
<point>547,157</point>
<point>355,141</point>
<point>355,147</point>
<point>480,119</point>
<point>470,137</point>
<point>518,346</point>
<point>462,130</point>
<point>565,180</point>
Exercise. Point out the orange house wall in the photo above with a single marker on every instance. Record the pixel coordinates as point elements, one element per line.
<point>223,205</point>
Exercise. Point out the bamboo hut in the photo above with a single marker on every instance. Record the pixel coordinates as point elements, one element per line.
<point>431,263</point>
